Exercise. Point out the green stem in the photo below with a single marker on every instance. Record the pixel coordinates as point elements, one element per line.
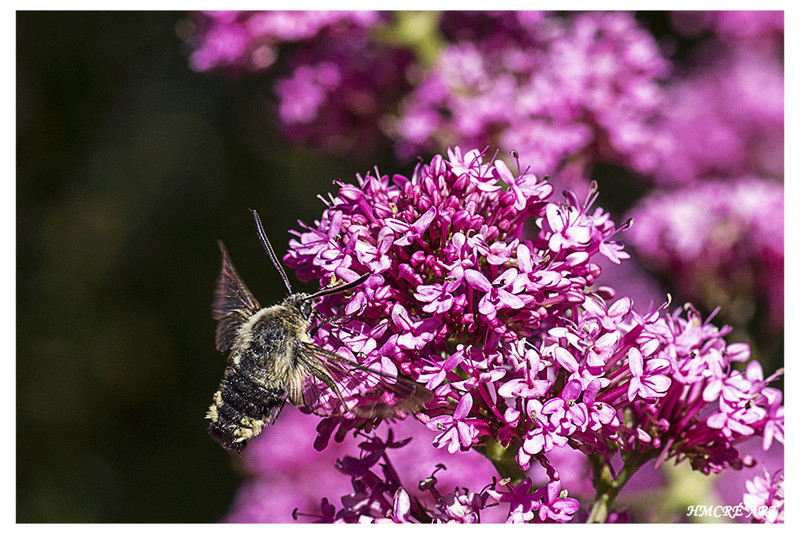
<point>607,486</point>
<point>504,460</point>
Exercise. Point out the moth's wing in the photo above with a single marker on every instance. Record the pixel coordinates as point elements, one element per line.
<point>320,390</point>
<point>386,395</point>
<point>233,302</point>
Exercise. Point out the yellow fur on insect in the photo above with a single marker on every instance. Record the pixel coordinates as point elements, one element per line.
<point>213,413</point>
<point>245,336</point>
<point>250,427</point>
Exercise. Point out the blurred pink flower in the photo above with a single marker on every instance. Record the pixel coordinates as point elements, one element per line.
<point>552,88</point>
<point>725,118</point>
<point>338,92</point>
<point>235,41</point>
<point>716,233</point>
<point>732,24</point>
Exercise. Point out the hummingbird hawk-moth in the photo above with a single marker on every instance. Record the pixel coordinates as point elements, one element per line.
<point>272,359</point>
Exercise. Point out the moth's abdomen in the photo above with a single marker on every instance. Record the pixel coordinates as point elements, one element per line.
<point>243,404</point>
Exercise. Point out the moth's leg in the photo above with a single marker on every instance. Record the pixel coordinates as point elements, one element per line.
<point>273,409</point>
<point>276,412</point>
<point>337,320</point>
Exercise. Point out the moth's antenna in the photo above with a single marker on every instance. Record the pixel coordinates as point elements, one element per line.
<point>339,288</point>
<point>265,243</point>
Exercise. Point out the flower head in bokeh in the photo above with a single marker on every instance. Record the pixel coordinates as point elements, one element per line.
<point>338,92</point>
<point>555,89</point>
<point>724,118</point>
<point>235,41</point>
<point>730,24</point>
<point>723,239</point>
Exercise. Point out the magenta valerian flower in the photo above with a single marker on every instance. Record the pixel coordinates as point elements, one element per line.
<point>714,235</point>
<point>764,497</point>
<point>288,474</point>
<point>522,505</point>
<point>451,226</point>
<point>522,355</point>
<point>725,116</point>
<point>339,90</point>
<point>648,385</point>
<point>734,24</point>
<point>585,86</point>
<point>378,495</point>
<point>235,41</point>
<point>547,504</point>
<point>456,429</point>
<point>554,505</point>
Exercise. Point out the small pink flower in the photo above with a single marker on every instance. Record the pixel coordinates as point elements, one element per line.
<point>456,431</point>
<point>646,382</point>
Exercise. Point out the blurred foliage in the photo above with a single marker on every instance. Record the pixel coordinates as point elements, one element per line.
<point>416,30</point>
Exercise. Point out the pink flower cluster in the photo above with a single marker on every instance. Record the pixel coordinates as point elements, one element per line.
<point>508,333</point>
<point>283,471</point>
<point>764,498</point>
<point>725,117</point>
<point>719,238</point>
<point>337,94</point>
<point>712,227</point>
<point>380,497</point>
<point>582,87</point>
<point>485,289</point>
<point>236,41</point>
<point>732,24</point>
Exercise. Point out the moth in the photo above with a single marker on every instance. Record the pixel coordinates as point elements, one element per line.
<point>272,359</point>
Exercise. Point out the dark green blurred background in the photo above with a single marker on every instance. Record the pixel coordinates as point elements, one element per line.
<point>129,167</point>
